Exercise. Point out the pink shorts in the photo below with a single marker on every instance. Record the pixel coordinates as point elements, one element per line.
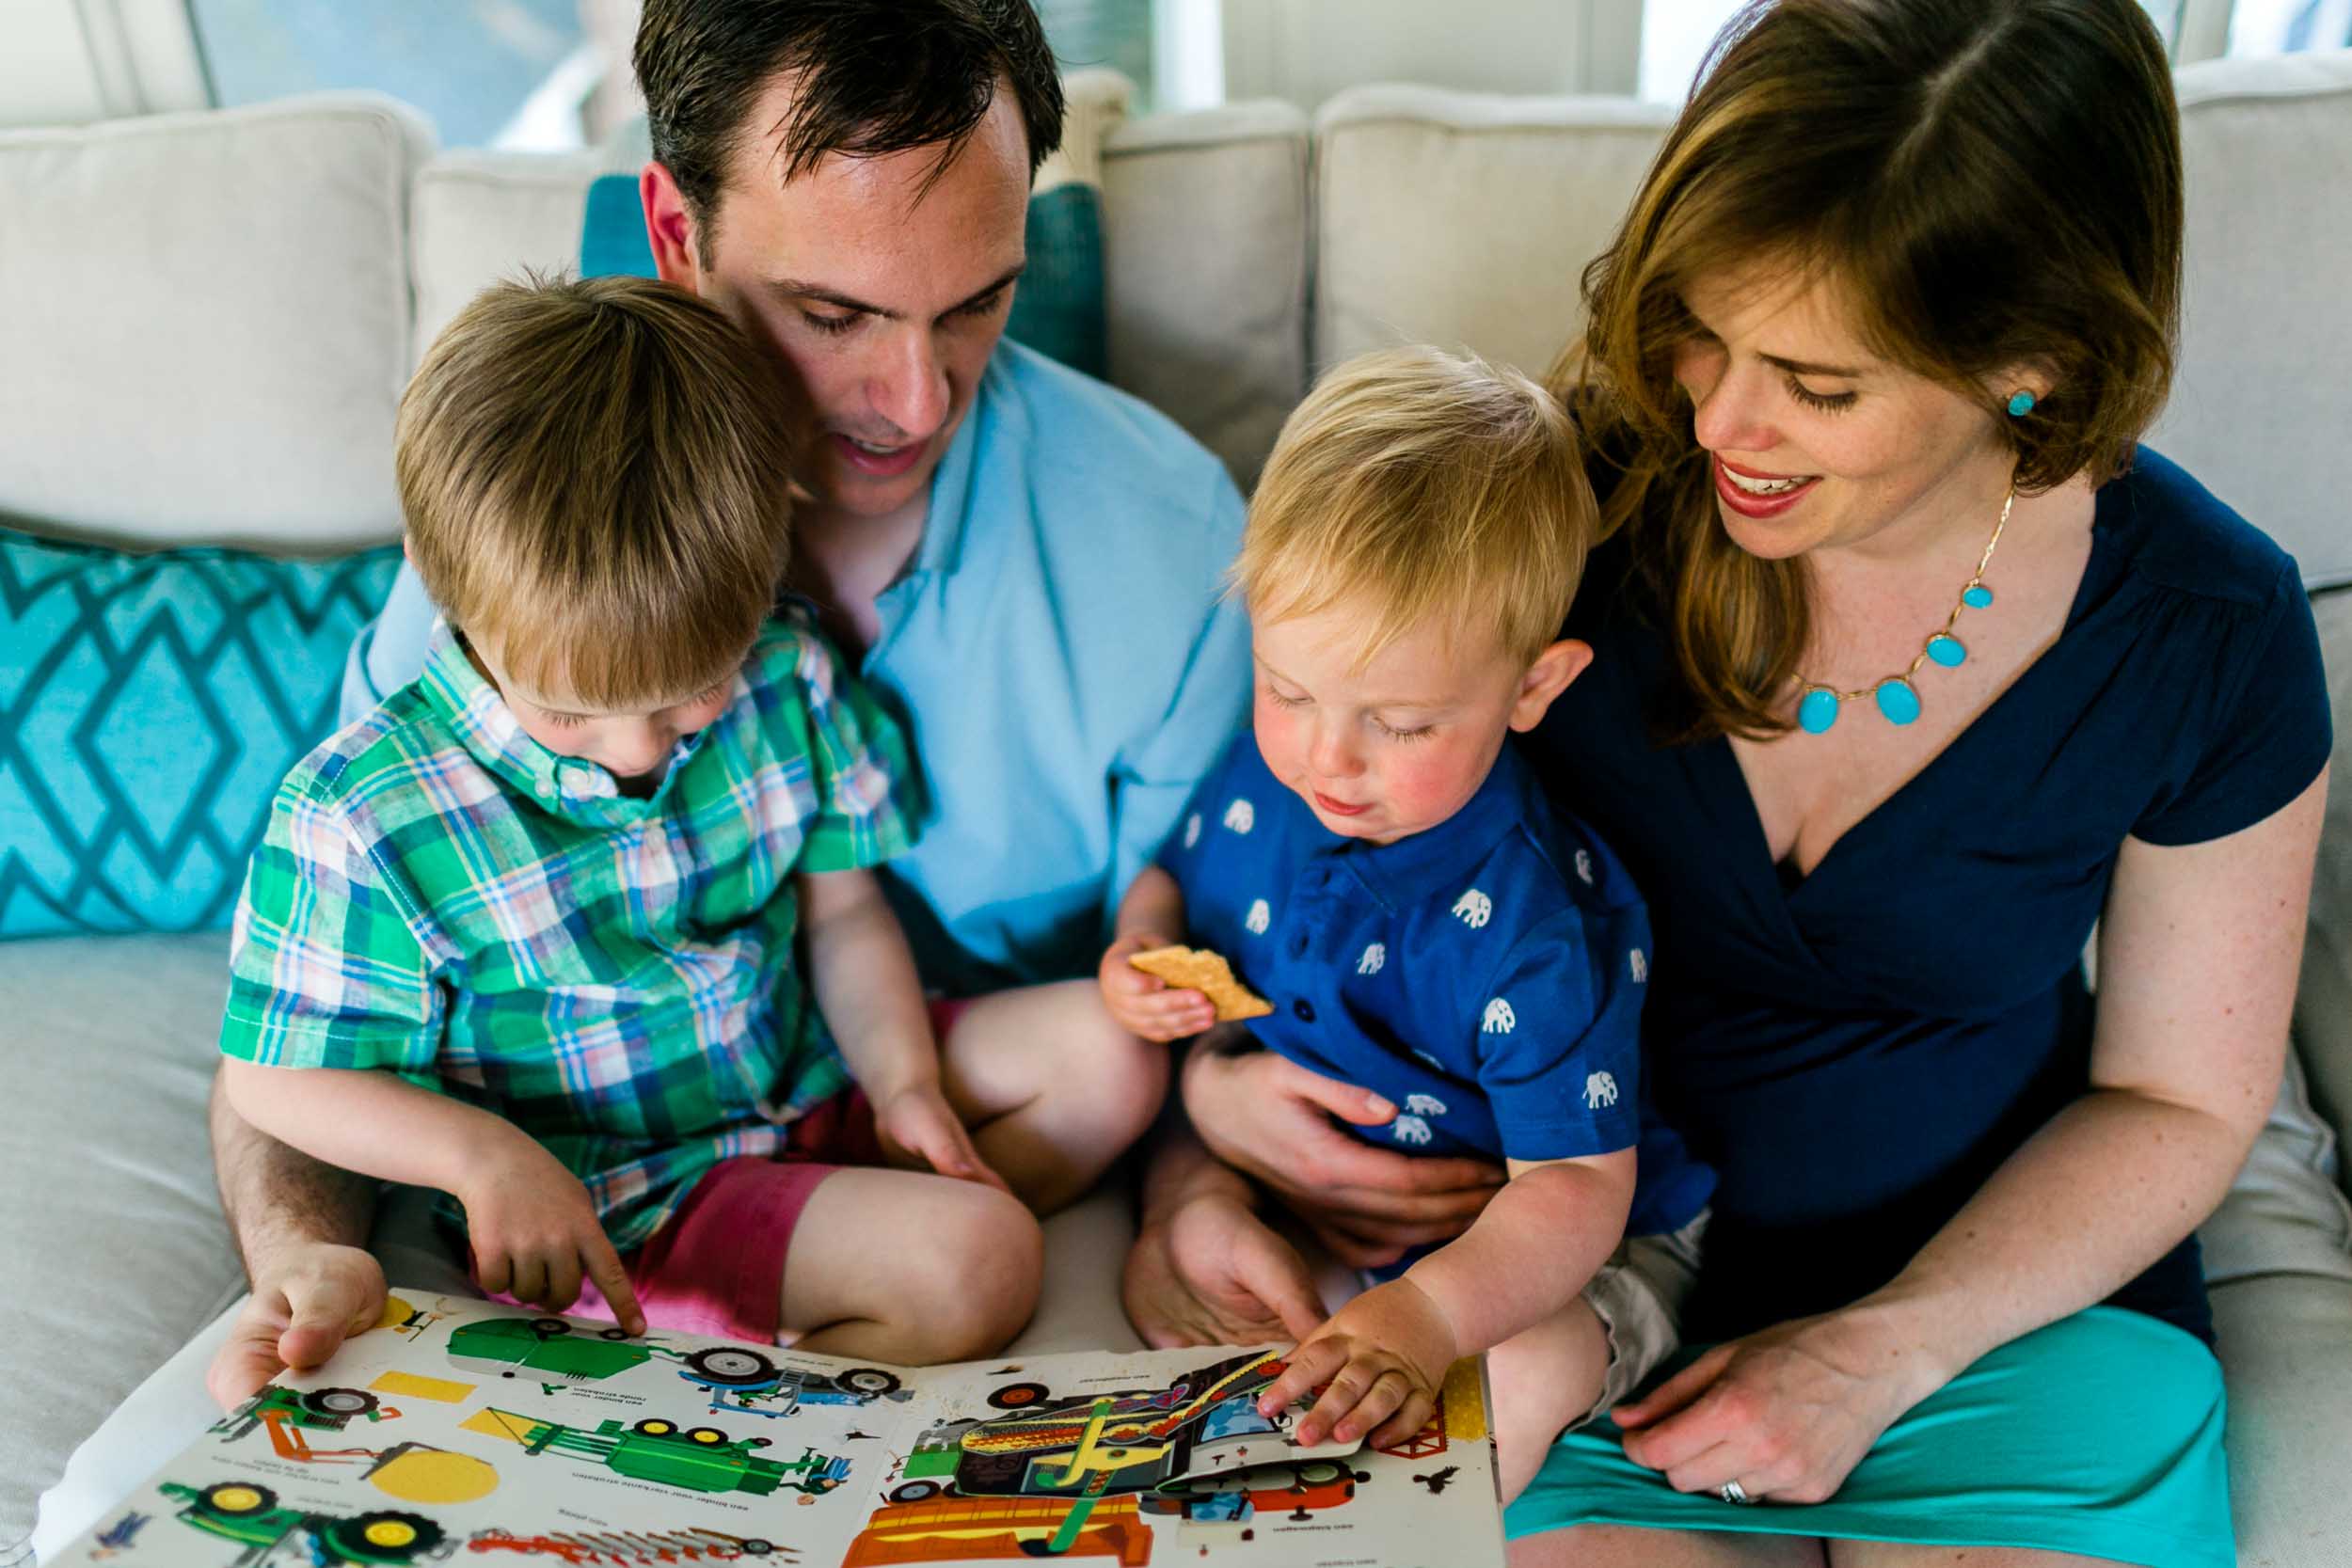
<point>716,1267</point>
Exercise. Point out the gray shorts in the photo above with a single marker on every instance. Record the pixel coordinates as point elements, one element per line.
<point>1638,1295</point>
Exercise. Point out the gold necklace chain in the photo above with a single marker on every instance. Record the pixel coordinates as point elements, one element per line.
<point>1818,704</point>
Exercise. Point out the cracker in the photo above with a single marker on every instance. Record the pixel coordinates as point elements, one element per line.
<point>1198,969</point>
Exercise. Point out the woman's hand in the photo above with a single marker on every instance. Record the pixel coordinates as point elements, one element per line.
<point>1272,1119</point>
<point>1144,1005</point>
<point>1379,1361</point>
<point>534,1233</point>
<point>918,1128</point>
<point>1211,1272</point>
<point>1787,1413</point>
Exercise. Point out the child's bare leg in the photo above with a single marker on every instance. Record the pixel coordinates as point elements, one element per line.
<point>906,1266</point>
<point>1052,1089</point>
<point>1544,1378</point>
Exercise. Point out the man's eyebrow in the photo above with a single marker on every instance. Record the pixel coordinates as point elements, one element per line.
<point>795,289</point>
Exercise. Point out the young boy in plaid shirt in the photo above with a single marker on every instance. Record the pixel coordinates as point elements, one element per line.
<point>526,934</point>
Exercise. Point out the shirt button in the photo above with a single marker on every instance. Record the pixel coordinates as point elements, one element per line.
<point>1304,1010</point>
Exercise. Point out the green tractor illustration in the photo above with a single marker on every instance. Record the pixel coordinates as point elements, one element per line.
<point>243,1511</point>
<point>655,1449</point>
<point>736,1377</point>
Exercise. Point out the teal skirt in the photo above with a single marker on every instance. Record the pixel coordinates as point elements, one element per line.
<point>2100,1436</point>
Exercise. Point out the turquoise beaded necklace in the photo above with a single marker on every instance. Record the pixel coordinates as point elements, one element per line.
<point>1897,699</point>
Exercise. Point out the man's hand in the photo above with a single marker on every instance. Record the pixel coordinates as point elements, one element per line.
<point>534,1233</point>
<point>1213,1274</point>
<point>1383,1358</point>
<point>1144,1005</point>
<point>1272,1119</point>
<point>314,1298</point>
<point>918,1128</point>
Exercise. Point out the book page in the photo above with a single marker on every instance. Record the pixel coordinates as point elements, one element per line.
<point>463,1430</point>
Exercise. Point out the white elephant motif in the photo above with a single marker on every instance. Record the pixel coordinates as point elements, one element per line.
<point>1585,866</point>
<point>1599,1089</point>
<point>1498,1019</point>
<point>1425,1105</point>
<point>1640,966</point>
<point>1373,957</point>
<point>1474,909</point>
<point>1192,830</point>
<point>1241,816</point>
<point>1259,918</point>
<point>1411,1130</point>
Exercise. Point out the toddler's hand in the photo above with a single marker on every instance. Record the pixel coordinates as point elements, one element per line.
<point>1142,1004</point>
<point>535,1231</point>
<point>919,1128</point>
<point>1383,1356</point>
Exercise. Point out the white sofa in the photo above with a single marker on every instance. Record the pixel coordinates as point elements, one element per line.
<point>205,322</point>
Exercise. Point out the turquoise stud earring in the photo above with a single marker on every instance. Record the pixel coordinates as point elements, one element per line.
<point>2020,403</point>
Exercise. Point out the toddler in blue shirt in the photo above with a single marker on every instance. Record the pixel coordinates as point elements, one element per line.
<point>1378,864</point>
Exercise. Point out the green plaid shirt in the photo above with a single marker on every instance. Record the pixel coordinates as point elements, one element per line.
<point>441,897</point>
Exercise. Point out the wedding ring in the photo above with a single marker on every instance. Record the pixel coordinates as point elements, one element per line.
<point>1732,1492</point>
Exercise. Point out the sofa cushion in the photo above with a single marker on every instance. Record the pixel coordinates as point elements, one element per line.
<point>2286,1342</point>
<point>2260,403</point>
<point>208,343</point>
<point>1204,237</point>
<point>1467,219</point>
<point>2322,999</point>
<point>149,707</point>
<point>114,1252</point>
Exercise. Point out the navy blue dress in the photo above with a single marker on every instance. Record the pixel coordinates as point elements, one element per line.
<point>1855,1053</point>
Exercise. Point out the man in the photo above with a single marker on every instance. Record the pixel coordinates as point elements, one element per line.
<point>1026,563</point>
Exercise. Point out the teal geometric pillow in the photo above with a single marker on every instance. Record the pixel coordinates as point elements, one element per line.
<point>149,707</point>
<point>1058,310</point>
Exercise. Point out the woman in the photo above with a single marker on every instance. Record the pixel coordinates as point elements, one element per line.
<point>1911,668</point>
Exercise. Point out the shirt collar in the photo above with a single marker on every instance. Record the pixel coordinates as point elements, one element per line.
<point>1413,870</point>
<point>478,717</point>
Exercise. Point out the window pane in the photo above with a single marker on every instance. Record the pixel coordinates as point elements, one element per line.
<point>472,66</point>
<point>2286,26</point>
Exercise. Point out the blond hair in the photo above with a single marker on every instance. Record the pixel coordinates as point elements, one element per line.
<point>594,471</point>
<point>1423,485</point>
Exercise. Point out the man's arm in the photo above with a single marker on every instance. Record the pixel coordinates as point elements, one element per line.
<point>301,1228</point>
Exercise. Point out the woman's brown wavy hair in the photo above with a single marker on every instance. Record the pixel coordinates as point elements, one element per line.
<point>1989,183</point>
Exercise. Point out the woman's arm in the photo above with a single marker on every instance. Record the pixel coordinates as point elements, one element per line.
<point>2198,952</point>
<point>862,974</point>
<point>1272,1119</point>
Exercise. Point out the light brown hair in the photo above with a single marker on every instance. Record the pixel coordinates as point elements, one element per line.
<point>594,471</point>
<point>1988,184</point>
<point>1423,484</point>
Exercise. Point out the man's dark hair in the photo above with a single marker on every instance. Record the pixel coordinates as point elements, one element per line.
<point>879,76</point>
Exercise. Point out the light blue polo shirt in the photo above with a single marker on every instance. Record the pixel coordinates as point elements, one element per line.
<point>1484,975</point>
<point>1057,650</point>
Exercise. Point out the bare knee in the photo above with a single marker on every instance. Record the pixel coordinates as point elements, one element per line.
<point>1128,1079</point>
<point>978,1283</point>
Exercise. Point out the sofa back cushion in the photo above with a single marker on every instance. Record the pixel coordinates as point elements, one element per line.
<point>2262,401</point>
<point>1465,220</point>
<point>206,320</point>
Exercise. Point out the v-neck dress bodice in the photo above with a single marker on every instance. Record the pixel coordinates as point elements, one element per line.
<point>1855,1052</point>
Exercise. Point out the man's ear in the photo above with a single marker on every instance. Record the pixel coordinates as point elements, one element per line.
<point>670,230</point>
<point>1549,676</point>
<point>408,551</point>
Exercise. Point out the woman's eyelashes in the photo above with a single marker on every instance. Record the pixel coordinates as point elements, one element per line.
<point>1824,403</point>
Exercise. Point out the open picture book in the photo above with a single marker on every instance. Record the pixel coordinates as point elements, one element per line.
<point>463,1431</point>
